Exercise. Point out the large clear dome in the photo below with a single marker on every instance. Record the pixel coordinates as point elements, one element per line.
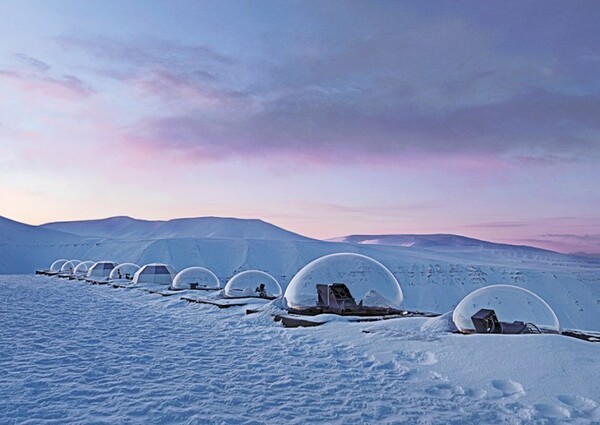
<point>343,283</point>
<point>252,283</point>
<point>196,278</point>
<point>504,309</point>
<point>161,274</point>
<point>124,271</point>
<point>57,265</point>
<point>82,268</point>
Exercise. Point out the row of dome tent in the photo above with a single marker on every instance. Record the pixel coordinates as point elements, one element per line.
<point>343,284</point>
<point>163,279</point>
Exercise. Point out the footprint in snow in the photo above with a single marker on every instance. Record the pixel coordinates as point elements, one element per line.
<point>583,406</point>
<point>508,387</point>
<point>476,394</point>
<point>425,358</point>
<point>552,412</point>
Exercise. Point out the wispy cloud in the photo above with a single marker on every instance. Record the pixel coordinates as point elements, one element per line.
<point>33,76</point>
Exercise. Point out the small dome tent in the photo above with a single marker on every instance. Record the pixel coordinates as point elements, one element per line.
<point>56,266</point>
<point>82,268</point>
<point>195,278</point>
<point>344,283</point>
<point>124,271</point>
<point>504,309</point>
<point>100,271</point>
<point>69,267</point>
<point>252,284</point>
<point>155,273</point>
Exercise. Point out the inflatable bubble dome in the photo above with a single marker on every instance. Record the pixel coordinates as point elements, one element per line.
<point>82,268</point>
<point>69,266</point>
<point>252,283</point>
<point>124,271</point>
<point>57,265</point>
<point>504,309</point>
<point>196,278</point>
<point>343,282</point>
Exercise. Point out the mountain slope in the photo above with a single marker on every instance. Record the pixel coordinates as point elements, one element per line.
<point>201,227</point>
<point>433,241</point>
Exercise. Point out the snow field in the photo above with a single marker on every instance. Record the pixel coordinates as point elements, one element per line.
<point>77,353</point>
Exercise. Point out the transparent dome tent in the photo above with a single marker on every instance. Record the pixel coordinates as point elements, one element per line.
<point>82,268</point>
<point>100,271</point>
<point>68,268</point>
<point>344,283</point>
<point>155,273</point>
<point>195,278</point>
<point>124,271</point>
<point>252,284</point>
<point>504,309</point>
<point>56,266</point>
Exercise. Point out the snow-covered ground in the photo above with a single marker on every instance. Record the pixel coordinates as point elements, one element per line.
<point>78,353</point>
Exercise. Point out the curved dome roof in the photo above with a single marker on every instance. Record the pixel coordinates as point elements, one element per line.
<point>196,278</point>
<point>124,271</point>
<point>57,265</point>
<point>101,269</point>
<point>83,267</point>
<point>369,282</point>
<point>162,274</point>
<point>69,266</point>
<point>252,283</point>
<point>513,307</point>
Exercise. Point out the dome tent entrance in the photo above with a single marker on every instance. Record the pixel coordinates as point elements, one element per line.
<point>504,309</point>
<point>195,278</point>
<point>252,284</point>
<point>345,284</point>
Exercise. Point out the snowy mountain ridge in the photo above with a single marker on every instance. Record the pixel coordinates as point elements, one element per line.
<point>441,241</point>
<point>197,227</point>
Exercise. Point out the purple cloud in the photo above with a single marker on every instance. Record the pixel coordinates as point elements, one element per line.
<point>370,83</point>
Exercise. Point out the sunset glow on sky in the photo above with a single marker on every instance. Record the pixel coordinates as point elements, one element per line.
<point>327,118</point>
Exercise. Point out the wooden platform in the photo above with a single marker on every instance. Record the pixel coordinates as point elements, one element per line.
<point>585,336</point>
<point>291,320</point>
<point>225,302</point>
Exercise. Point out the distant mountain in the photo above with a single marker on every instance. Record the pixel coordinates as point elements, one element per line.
<point>434,242</point>
<point>201,227</point>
